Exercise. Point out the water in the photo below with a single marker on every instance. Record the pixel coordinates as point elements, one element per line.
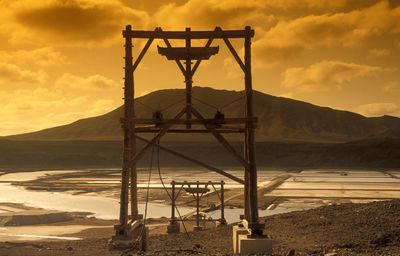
<point>24,236</point>
<point>322,184</point>
<point>101,207</point>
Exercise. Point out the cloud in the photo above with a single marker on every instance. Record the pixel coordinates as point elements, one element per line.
<point>10,73</point>
<point>91,83</point>
<point>379,52</point>
<point>234,14</point>
<point>326,75</point>
<point>233,69</point>
<point>393,86</point>
<point>69,23</point>
<point>379,109</point>
<point>26,110</point>
<point>206,14</point>
<point>290,37</point>
<point>42,57</point>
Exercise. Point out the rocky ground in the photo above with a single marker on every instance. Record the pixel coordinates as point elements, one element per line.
<point>346,229</point>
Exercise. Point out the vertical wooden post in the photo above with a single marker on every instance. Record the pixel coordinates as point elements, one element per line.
<point>198,205</point>
<point>246,194</point>
<point>128,102</point>
<point>223,222</point>
<point>173,202</point>
<point>132,145</point>
<point>253,203</point>
<point>188,80</point>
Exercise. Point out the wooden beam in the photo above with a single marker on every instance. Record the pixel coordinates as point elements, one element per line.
<point>143,52</point>
<point>254,224</point>
<point>233,51</point>
<point>153,130</point>
<point>222,140</point>
<point>208,44</point>
<point>188,79</point>
<point>156,138</point>
<point>191,53</point>
<point>192,160</point>
<point>178,62</point>
<point>182,34</point>
<point>211,121</point>
<point>195,183</point>
<point>127,149</point>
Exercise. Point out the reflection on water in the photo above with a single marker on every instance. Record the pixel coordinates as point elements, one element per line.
<point>325,183</point>
<point>102,207</point>
<point>25,176</point>
<point>45,237</point>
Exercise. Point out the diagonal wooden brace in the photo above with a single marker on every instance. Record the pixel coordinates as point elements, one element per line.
<point>222,140</point>
<point>178,62</point>
<point>143,52</point>
<point>163,131</point>
<point>154,143</point>
<point>197,64</point>
<point>233,51</point>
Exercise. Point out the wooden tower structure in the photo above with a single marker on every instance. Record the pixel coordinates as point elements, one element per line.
<point>187,118</point>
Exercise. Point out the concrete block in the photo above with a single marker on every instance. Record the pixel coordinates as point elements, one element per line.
<point>198,228</point>
<point>173,228</point>
<point>238,230</point>
<point>254,245</point>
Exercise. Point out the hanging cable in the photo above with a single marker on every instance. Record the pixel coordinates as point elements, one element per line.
<point>136,243</point>
<point>205,103</point>
<point>166,190</point>
<point>228,104</point>
<point>145,105</point>
<point>173,104</point>
<point>215,107</point>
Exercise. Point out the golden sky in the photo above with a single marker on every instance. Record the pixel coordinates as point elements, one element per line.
<point>61,60</point>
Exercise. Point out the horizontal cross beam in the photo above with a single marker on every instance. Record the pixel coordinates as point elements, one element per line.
<point>200,183</point>
<point>184,34</point>
<point>240,120</point>
<point>153,130</point>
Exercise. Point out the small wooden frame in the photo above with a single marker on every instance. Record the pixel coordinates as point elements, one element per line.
<point>192,53</point>
<point>197,192</point>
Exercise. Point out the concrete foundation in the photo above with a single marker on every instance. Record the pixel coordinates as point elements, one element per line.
<point>254,245</point>
<point>135,239</point>
<point>237,231</point>
<point>173,228</point>
<point>244,243</point>
<point>198,228</point>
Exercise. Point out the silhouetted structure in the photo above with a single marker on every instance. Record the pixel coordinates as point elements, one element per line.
<point>215,126</point>
<point>197,189</point>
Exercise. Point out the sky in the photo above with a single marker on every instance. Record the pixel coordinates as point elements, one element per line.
<point>62,60</point>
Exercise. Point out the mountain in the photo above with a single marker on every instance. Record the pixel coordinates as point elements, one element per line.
<point>278,119</point>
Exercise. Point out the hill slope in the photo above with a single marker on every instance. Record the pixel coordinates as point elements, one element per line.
<point>279,118</point>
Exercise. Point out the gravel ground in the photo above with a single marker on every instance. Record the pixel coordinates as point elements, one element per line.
<point>346,229</point>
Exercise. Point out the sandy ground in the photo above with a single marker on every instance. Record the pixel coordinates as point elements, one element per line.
<point>347,229</point>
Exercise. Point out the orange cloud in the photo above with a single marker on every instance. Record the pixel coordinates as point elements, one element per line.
<point>379,52</point>
<point>42,57</point>
<point>233,14</point>
<point>326,75</point>
<point>379,109</point>
<point>290,37</point>
<point>69,23</point>
<point>206,14</point>
<point>46,107</point>
<point>10,73</point>
<point>90,83</point>
<point>393,86</point>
